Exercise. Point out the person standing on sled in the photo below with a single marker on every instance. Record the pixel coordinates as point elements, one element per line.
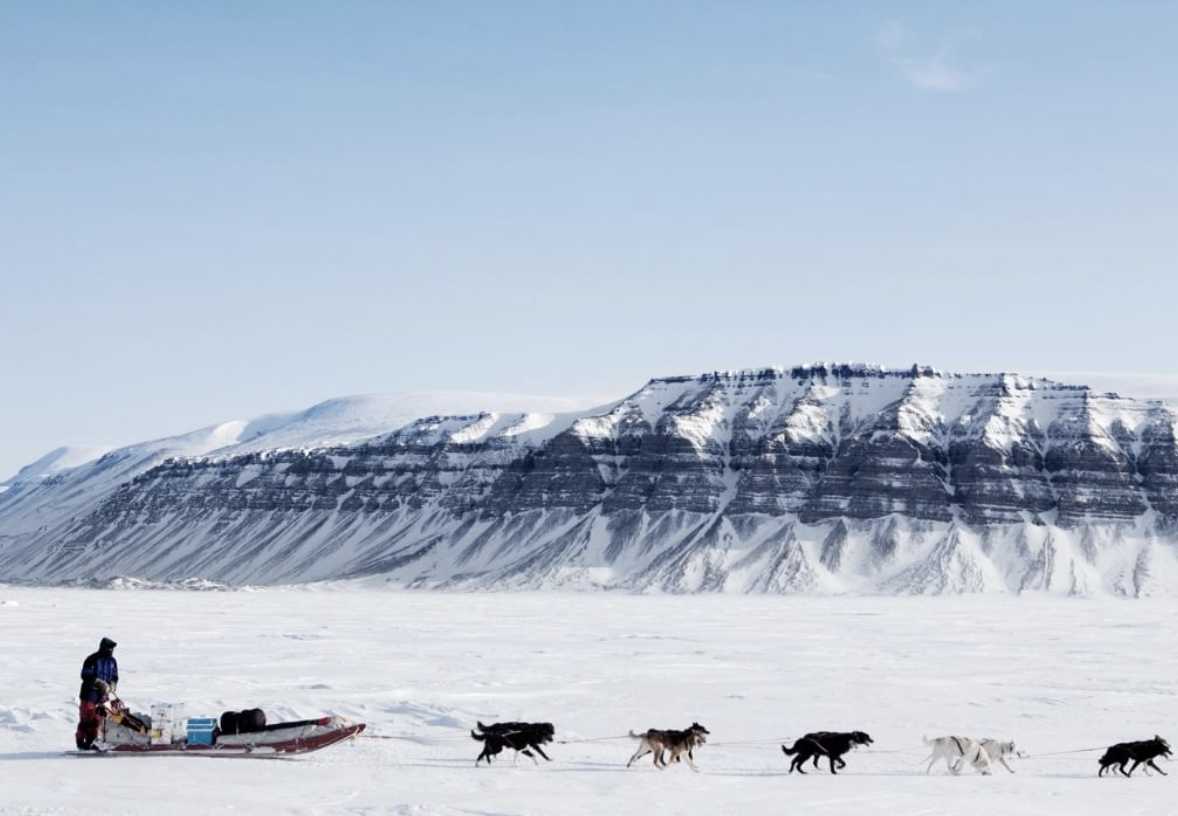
<point>100,676</point>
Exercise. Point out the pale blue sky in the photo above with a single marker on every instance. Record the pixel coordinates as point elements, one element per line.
<point>215,210</point>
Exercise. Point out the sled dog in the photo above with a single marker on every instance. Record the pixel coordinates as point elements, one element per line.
<point>999,751</point>
<point>521,737</point>
<point>832,744</point>
<point>956,751</point>
<point>1139,752</point>
<point>661,741</point>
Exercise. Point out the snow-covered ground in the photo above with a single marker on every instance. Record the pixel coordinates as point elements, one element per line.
<point>420,668</point>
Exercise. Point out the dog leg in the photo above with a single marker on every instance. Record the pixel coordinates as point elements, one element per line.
<point>1002,759</point>
<point>641,752</point>
<point>541,750</point>
<point>1156,768</point>
<point>981,762</point>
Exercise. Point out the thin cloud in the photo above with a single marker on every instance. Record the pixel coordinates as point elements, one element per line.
<point>927,73</point>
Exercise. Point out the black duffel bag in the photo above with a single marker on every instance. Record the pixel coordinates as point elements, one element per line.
<point>243,722</point>
<point>253,719</point>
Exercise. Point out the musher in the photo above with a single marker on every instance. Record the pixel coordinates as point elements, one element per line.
<point>100,676</point>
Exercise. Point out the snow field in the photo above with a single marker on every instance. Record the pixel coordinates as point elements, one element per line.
<point>420,668</point>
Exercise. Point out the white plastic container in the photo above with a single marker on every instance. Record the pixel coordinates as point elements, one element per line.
<point>168,724</point>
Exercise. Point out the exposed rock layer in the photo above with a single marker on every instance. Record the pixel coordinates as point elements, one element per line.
<point>828,478</point>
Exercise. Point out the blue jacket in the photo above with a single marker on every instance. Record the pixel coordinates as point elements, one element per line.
<point>99,666</point>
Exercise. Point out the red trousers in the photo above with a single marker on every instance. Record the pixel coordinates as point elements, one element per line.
<point>88,723</point>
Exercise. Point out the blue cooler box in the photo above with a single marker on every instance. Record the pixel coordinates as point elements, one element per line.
<point>200,730</point>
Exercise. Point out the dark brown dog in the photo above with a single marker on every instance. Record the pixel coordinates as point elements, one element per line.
<point>679,743</point>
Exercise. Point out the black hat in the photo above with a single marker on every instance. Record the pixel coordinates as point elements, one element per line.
<point>107,643</point>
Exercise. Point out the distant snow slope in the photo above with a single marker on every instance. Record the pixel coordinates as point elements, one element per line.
<point>347,420</point>
<point>56,461</point>
<point>340,421</point>
<point>817,479</point>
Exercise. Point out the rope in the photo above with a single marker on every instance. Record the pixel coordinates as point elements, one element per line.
<point>766,741</point>
<point>449,738</point>
<point>464,738</point>
<point>905,761</point>
<point>773,741</point>
<point>383,736</point>
<point>1059,753</point>
<point>896,750</point>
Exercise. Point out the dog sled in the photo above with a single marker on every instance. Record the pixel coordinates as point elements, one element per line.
<point>236,734</point>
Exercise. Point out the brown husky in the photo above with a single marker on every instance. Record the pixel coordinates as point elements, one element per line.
<point>678,743</point>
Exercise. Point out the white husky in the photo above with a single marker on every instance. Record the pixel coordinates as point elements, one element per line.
<point>955,750</point>
<point>999,751</point>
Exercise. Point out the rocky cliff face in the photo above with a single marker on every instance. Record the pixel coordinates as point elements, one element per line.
<point>817,479</point>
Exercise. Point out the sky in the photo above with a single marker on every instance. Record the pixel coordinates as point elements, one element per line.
<point>217,210</point>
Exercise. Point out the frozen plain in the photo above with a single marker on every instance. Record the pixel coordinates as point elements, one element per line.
<point>1056,674</point>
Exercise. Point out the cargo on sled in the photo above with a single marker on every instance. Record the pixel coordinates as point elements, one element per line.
<point>244,733</point>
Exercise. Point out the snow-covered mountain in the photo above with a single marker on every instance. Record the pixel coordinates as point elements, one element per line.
<point>826,478</point>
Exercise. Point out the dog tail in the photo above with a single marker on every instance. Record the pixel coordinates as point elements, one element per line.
<point>926,740</point>
<point>791,751</point>
<point>637,736</point>
<point>479,737</point>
